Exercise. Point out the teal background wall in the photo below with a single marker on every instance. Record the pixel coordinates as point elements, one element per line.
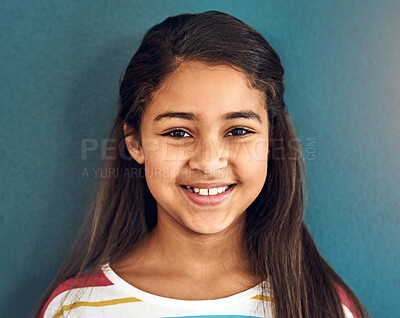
<point>60,66</point>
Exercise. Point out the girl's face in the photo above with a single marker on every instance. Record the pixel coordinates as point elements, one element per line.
<point>204,147</point>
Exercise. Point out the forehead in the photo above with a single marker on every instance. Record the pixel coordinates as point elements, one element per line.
<point>206,89</point>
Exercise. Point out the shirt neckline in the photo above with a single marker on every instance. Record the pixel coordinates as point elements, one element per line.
<point>180,303</point>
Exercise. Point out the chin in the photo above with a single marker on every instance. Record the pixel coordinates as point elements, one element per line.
<point>207,229</point>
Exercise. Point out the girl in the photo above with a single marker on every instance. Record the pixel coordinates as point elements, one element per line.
<point>203,213</point>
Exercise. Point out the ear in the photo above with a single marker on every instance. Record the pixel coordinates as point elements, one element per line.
<point>133,145</point>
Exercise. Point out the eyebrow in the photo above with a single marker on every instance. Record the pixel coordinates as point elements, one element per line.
<point>191,116</point>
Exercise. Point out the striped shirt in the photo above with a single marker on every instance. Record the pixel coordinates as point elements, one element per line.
<point>105,294</point>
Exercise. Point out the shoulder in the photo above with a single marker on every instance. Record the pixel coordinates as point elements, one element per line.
<point>65,292</point>
<point>349,307</point>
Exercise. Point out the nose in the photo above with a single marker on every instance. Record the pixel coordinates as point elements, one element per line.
<point>210,156</point>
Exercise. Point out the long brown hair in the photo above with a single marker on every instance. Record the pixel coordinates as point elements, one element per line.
<point>276,239</point>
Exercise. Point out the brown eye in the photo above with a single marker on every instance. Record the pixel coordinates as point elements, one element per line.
<point>177,133</point>
<point>239,132</point>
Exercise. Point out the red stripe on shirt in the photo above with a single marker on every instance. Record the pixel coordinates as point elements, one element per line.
<point>93,279</point>
<point>344,298</point>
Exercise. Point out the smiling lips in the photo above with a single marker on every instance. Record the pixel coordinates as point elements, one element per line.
<point>208,194</point>
<point>210,191</point>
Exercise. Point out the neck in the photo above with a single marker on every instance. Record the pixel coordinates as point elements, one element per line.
<point>180,250</point>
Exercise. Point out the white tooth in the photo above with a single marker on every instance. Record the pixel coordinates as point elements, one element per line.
<point>212,191</point>
<point>220,189</point>
<point>197,190</point>
<point>203,192</point>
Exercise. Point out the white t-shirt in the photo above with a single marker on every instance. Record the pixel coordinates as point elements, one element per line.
<point>106,294</point>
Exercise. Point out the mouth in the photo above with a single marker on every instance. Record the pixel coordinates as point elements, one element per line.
<point>207,191</point>
<point>208,195</point>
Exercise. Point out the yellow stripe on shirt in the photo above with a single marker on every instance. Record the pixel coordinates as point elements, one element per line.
<point>95,304</point>
<point>264,298</point>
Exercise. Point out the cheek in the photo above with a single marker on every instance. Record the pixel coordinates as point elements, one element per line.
<point>159,176</point>
<point>162,164</point>
<point>251,160</point>
<point>250,153</point>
